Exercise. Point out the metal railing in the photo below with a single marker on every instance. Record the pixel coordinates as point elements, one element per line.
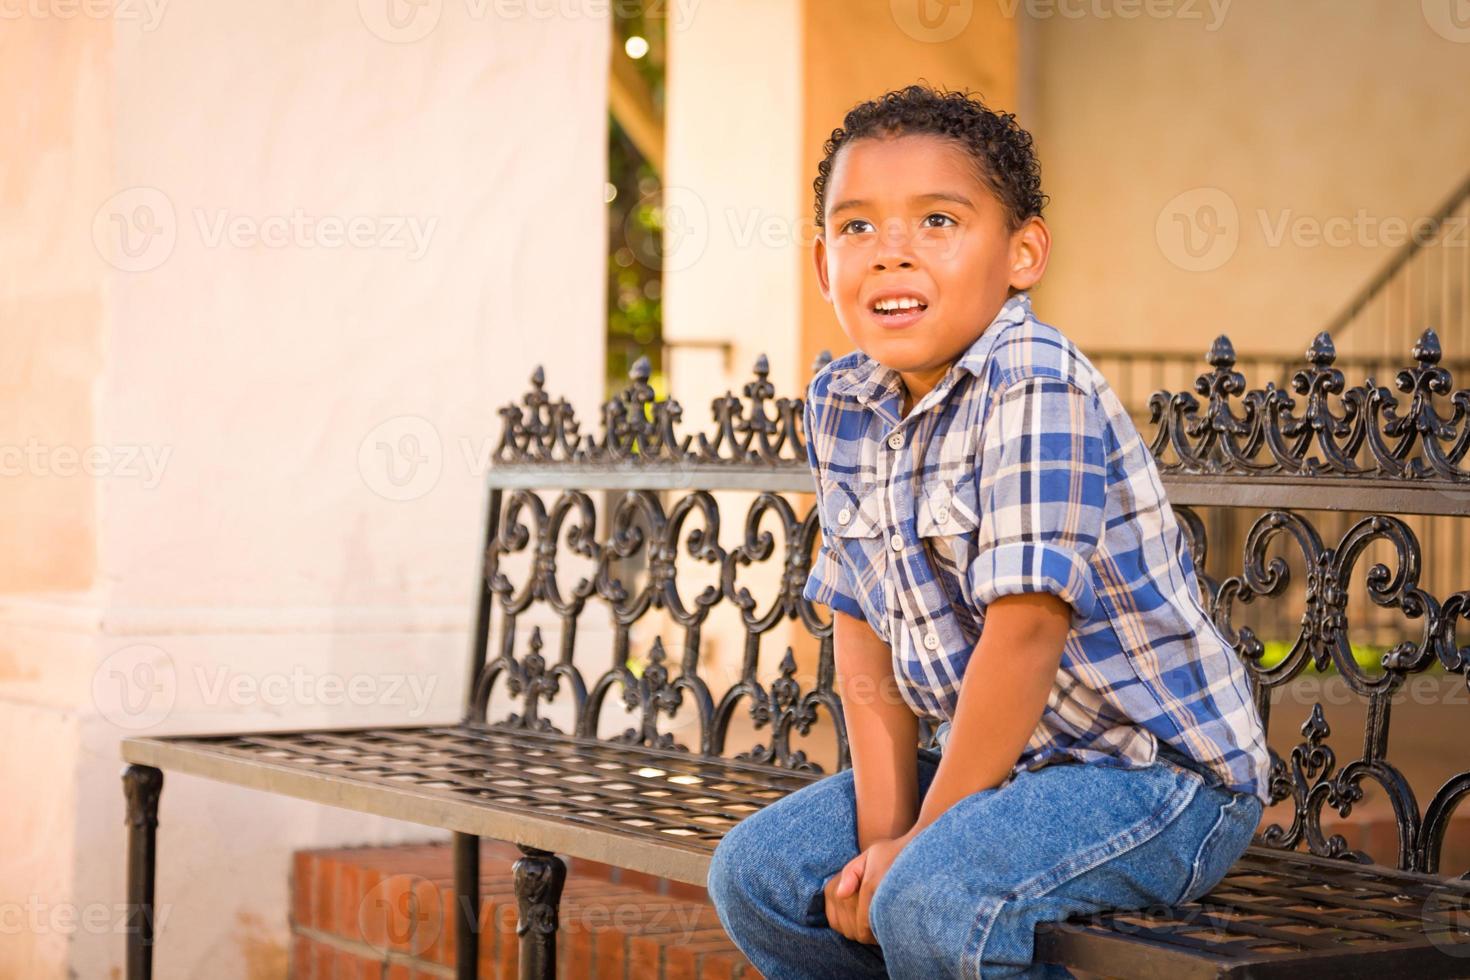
<point>1425,282</point>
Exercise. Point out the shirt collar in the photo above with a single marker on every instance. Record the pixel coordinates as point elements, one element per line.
<point>870,381</point>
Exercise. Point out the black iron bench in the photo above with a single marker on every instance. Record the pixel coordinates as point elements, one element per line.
<point>583,734</point>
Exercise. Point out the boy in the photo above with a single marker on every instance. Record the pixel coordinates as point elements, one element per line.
<point>998,552</point>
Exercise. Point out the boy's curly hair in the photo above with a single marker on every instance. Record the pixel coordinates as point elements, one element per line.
<point>1000,147</point>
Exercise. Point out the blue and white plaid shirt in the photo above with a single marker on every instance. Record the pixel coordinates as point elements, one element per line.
<point>1021,471</point>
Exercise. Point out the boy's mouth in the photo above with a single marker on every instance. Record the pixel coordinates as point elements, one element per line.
<point>898,311</point>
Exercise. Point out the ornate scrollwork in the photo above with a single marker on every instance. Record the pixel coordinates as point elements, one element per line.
<point>1311,784</point>
<point>1323,639</point>
<point>539,877</point>
<point>640,538</point>
<point>530,678</point>
<point>650,696</point>
<point>785,708</point>
<point>637,427</point>
<point>544,431</point>
<point>1268,436</point>
<point>1368,437</point>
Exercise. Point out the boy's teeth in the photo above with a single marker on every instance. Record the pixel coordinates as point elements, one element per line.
<point>889,305</point>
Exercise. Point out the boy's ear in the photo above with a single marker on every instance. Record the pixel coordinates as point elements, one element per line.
<point>1030,249</point>
<point>819,255</point>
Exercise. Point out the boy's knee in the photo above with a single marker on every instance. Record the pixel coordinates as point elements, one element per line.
<point>760,857</point>
<point>724,879</point>
<point>902,915</point>
<point>896,907</point>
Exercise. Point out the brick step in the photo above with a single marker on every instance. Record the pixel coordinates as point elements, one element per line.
<point>385,913</point>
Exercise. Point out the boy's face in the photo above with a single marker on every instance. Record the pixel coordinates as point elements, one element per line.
<point>909,217</point>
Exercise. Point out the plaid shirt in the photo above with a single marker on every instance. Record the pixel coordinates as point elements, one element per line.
<point>1021,471</point>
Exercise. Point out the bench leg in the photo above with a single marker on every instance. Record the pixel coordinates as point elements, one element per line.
<point>142,786</point>
<point>466,906</point>
<point>538,877</point>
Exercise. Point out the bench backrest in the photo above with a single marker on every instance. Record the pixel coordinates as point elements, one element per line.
<point>1285,493</point>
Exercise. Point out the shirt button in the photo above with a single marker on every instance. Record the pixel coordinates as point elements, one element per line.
<point>896,541</point>
<point>941,514</point>
<point>931,641</point>
<point>844,515</point>
<point>895,441</point>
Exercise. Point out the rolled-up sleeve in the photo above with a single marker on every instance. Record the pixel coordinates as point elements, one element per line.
<point>1042,493</point>
<point>829,582</point>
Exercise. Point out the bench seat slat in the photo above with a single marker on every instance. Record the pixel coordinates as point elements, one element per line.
<point>489,790</point>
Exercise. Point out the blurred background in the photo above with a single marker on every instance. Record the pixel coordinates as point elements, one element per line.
<point>269,270</point>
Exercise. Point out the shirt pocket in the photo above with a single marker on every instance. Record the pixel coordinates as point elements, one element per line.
<point>947,520</point>
<point>850,510</point>
<point>852,519</point>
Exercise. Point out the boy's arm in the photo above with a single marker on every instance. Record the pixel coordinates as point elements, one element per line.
<point>1002,695</point>
<point>882,732</point>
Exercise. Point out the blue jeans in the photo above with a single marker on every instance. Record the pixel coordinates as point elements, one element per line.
<point>963,899</point>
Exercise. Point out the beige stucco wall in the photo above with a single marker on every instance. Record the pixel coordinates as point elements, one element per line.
<point>1249,117</point>
<point>317,408</point>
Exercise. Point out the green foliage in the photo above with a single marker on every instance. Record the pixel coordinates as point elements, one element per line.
<point>1368,656</point>
<point>634,224</point>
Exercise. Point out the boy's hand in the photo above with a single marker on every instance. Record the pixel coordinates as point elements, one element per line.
<point>849,893</point>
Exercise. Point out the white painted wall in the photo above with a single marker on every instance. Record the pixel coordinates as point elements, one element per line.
<point>291,526</point>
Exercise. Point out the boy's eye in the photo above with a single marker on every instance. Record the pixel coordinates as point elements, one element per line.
<point>848,226</point>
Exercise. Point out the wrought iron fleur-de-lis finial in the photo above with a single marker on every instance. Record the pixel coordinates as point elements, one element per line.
<point>1322,352</point>
<point>1224,380</point>
<point>1426,348</point>
<point>1321,378</point>
<point>1221,353</point>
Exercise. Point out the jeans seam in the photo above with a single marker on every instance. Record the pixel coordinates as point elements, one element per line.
<point>1226,810</point>
<point>1203,846</point>
<point>1137,835</point>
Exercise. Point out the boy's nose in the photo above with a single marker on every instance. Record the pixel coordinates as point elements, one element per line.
<point>895,246</point>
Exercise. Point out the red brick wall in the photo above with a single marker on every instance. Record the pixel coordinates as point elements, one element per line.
<point>386,913</point>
